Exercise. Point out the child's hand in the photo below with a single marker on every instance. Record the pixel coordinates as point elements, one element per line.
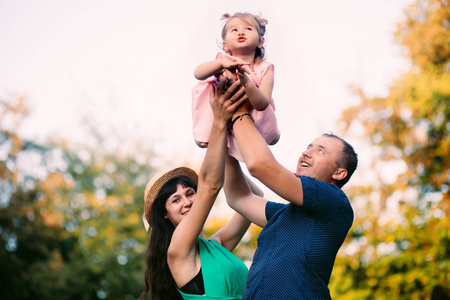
<point>230,76</point>
<point>233,66</point>
<point>244,69</point>
<point>242,74</point>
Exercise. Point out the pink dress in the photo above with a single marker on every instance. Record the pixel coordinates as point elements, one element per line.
<point>202,115</point>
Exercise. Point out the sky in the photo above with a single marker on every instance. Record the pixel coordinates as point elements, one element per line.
<point>127,66</point>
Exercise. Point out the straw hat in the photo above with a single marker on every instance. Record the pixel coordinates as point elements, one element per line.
<point>155,185</point>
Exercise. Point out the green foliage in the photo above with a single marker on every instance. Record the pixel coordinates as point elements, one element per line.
<point>400,241</point>
<point>70,218</point>
<point>425,33</point>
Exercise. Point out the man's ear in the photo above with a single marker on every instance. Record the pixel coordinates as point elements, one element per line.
<point>339,174</point>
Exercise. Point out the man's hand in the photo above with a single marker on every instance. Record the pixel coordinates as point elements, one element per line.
<point>246,107</point>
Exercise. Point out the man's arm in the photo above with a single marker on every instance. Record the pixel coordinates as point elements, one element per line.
<point>260,161</point>
<point>230,235</point>
<point>240,196</point>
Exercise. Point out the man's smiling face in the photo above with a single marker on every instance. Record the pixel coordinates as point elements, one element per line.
<point>319,159</point>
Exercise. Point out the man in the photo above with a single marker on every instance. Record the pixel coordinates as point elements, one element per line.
<point>299,242</point>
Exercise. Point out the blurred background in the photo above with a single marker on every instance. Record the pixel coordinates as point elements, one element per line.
<point>95,98</point>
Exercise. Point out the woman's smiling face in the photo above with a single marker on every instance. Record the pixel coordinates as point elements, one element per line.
<point>179,204</point>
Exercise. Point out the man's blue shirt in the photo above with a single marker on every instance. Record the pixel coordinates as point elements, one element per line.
<point>298,246</point>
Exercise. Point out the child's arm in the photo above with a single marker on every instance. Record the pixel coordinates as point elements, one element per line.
<point>214,67</point>
<point>208,69</point>
<point>260,96</point>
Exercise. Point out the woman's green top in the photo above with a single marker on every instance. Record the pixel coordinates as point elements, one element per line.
<point>224,275</point>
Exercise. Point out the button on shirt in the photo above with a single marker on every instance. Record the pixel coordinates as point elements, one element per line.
<point>298,246</point>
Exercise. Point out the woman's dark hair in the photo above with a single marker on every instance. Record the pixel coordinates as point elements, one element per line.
<point>158,278</point>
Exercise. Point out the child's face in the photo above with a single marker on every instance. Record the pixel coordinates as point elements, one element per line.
<point>242,36</point>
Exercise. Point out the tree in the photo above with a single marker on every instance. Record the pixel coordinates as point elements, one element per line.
<point>70,217</point>
<point>400,241</point>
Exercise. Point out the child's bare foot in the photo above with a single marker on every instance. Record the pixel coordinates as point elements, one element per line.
<point>275,140</point>
<point>202,144</point>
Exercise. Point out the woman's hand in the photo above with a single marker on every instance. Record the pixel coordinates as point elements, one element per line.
<point>227,100</point>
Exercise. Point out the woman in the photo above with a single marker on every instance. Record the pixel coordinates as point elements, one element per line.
<point>180,260</point>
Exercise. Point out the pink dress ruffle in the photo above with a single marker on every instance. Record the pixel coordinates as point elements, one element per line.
<point>202,115</point>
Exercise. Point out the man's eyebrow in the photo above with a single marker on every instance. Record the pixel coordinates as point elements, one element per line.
<point>320,146</point>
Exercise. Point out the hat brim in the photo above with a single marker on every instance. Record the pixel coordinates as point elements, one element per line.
<point>155,185</point>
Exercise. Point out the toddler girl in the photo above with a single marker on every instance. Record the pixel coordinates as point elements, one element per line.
<point>243,46</point>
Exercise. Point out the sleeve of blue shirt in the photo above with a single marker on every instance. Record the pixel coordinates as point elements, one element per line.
<point>318,197</point>
<point>272,208</point>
